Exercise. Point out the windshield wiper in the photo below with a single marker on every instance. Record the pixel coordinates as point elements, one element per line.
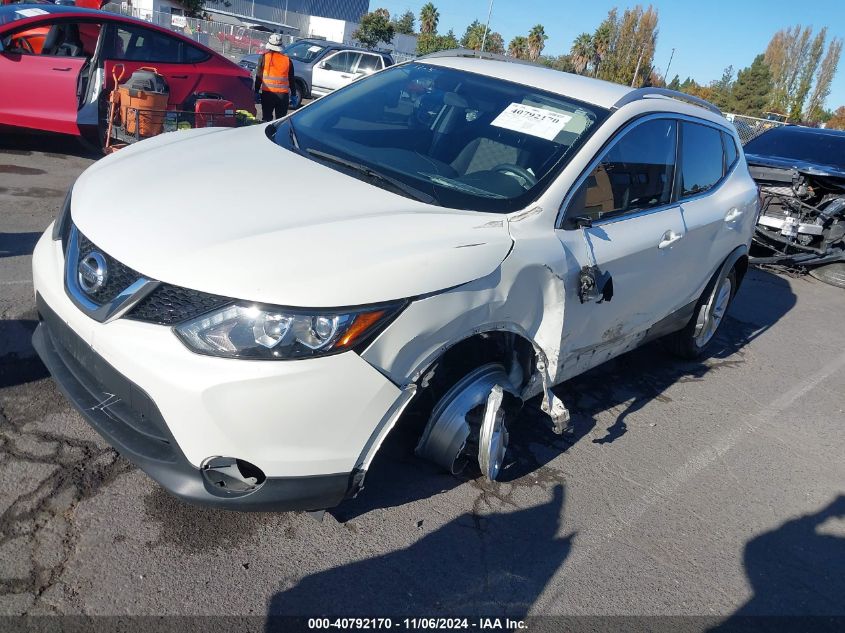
<point>462,186</point>
<point>407,190</point>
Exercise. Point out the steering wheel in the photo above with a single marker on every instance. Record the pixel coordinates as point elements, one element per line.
<point>23,44</point>
<point>527,179</point>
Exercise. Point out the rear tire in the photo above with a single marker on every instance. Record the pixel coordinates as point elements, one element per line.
<point>709,313</point>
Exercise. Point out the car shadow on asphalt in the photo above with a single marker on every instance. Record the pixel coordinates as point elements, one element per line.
<point>53,145</point>
<point>623,386</point>
<point>17,244</point>
<point>474,565</point>
<point>796,570</point>
<point>18,362</point>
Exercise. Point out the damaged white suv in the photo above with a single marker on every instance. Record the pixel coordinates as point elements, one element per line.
<point>456,232</point>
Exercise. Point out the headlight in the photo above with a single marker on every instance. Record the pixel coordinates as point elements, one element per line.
<point>242,331</point>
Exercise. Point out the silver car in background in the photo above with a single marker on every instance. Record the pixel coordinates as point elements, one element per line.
<point>322,67</point>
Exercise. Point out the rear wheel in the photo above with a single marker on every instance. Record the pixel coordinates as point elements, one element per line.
<point>296,95</point>
<point>709,314</point>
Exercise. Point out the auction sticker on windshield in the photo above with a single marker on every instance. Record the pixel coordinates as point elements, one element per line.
<point>527,119</point>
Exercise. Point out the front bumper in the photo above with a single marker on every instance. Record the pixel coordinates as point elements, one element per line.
<point>307,425</point>
<point>129,420</point>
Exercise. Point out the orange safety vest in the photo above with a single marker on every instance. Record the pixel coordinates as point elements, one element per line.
<point>276,72</point>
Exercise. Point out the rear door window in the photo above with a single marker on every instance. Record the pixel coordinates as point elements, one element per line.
<point>731,153</point>
<point>635,174</point>
<point>368,64</point>
<point>132,43</point>
<point>342,62</point>
<point>701,158</point>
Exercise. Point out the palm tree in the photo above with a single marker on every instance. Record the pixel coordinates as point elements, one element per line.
<point>582,52</point>
<point>429,17</point>
<point>536,41</point>
<point>518,47</point>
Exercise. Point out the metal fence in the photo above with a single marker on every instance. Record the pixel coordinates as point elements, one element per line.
<point>750,127</point>
<point>230,40</point>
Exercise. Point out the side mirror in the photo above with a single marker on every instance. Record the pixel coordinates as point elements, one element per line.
<point>578,222</point>
<point>326,66</point>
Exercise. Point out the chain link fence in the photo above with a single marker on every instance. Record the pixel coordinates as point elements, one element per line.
<point>750,127</point>
<point>228,39</point>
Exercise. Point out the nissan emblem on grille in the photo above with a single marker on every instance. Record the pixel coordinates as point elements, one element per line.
<point>92,272</point>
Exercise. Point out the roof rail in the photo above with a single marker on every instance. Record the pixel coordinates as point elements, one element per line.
<point>665,93</point>
<point>468,52</point>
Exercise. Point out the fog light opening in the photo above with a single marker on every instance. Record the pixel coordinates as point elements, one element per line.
<point>231,477</point>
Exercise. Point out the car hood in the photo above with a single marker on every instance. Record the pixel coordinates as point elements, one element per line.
<point>231,213</point>
<point>814,169</point>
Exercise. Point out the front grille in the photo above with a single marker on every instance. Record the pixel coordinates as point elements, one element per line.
<point>168,305</point>
<point>119,276</point>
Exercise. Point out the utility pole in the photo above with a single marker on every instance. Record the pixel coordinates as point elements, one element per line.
<point>487,26</point>
<point>637,70</point>
<point>666,76</point>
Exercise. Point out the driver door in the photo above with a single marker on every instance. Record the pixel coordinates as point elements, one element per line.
<point>622,218</point>
<point>40,90</point>
<point>335,71</point>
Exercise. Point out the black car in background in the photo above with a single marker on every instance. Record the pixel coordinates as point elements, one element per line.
<point>801,175</point>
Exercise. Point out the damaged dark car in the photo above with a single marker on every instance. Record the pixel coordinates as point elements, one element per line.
<point>801,175</point>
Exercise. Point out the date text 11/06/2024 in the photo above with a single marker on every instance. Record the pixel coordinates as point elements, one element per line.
<point>436,624</point>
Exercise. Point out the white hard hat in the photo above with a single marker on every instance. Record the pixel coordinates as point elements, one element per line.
<point>274,43</point>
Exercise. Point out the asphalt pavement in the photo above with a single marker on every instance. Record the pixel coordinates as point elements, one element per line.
<point>712,488</point>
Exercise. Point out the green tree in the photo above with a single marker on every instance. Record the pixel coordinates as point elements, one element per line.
<point>753,87</point>
<point>429,17</point>
<point>582,52</point>
<point>473,38</point>
<point>431,42</point>
<point>561,62</point>
<point>473,35</point>
<point>536,41</point>
<point>805,80</point>
<point>405,23</point>
<point>375,27</point>
<point>815,111</point>
<point>675,84</point>
<point>518,47</point>
<point>722,88</point>
<point>624,48</point>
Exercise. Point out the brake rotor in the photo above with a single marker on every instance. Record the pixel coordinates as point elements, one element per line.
<point>455,429</point>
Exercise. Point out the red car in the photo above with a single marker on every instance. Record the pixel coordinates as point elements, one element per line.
<point>57,63</point>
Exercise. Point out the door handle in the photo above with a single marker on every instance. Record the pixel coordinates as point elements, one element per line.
<point>733,214</point>
<point>669,238</point>
<point>179,76</point>
<point>345,76</point>
<point>64,70</point>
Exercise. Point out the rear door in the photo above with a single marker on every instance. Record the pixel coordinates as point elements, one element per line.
<point>632,231</point>
<point>133,46</point>
<point>40,88</point>
<point>335,71</point>
<point>367,64</point>
<point>707,214</point>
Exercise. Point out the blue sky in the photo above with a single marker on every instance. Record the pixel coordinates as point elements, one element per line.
<point>707,35</point>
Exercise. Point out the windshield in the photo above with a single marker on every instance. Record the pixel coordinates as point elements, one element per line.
<point>791,143</point>
<point>304,51</point>
<point>467,140</point>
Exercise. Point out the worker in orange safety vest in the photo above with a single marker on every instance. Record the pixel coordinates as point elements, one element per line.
<point>274,78</point>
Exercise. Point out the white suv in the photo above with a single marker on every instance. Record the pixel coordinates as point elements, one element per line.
<point>246,314</point>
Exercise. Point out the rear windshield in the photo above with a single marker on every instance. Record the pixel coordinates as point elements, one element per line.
<point>468,141</point>
<point>791,143</point>
<point>304,51</point>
